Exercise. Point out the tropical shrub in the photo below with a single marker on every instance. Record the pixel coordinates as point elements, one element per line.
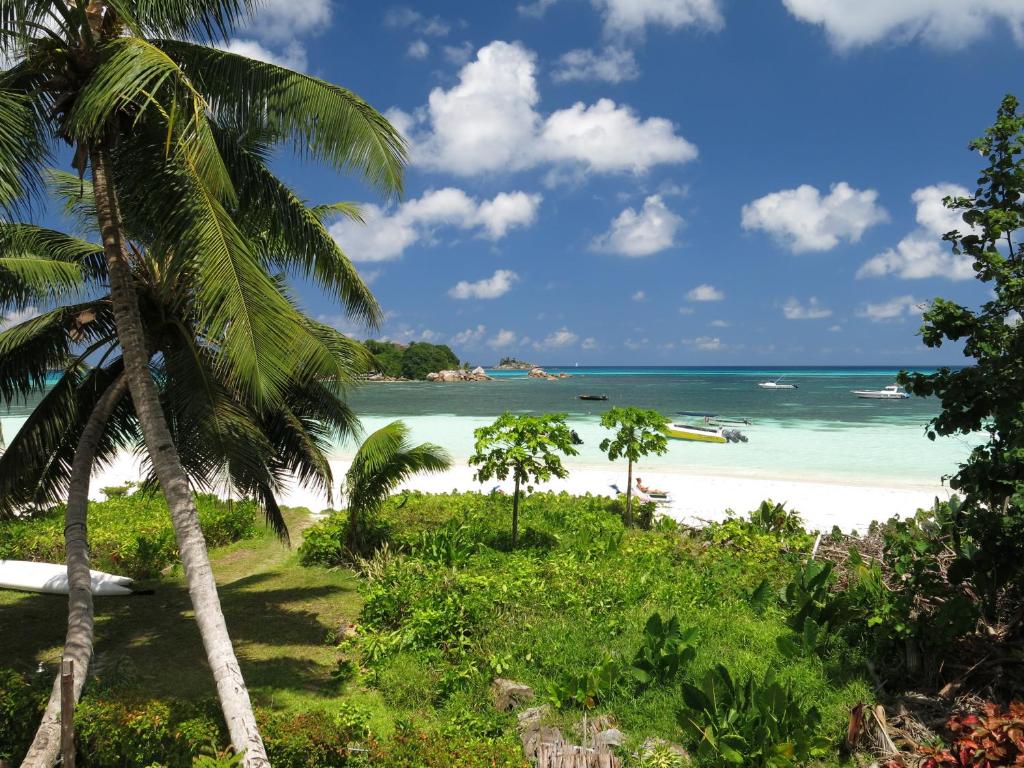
<point>588,689</point>
<point>990,740</point>
<point>751,723</point>
<point>665,650</point>
<point>20,707</point>
<point>432,749</point>
<point>130,535</point>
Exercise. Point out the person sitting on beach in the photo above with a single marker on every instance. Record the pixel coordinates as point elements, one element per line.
<point>649,491</point>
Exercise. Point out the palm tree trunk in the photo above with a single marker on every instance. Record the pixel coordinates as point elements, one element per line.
<point>629,496</point>
<point>45,747</point>
<point>231,689</point>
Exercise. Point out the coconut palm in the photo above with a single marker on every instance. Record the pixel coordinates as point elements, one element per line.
<point>86,416</point>
<point>120,81</point>
<point>383,462</point>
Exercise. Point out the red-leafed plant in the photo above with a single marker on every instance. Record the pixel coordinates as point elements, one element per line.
<point>991,740</point>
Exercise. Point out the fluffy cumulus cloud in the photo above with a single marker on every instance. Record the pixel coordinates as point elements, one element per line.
<point>275,32</point>
<point>793,309</point>
<point>503,339</point>
<point>705,343</point>
<point>704,292</point>
<point>896,308</point>
<point>418,49</point>
<point>489,121</point>
<point>559,339</point>
<point>640,233</point>
<point>803,219</point>
<point>612,65</point>
<point>469,337</point>
<point>632,17</point>
<point>942,23</point>
<point>498,284</point>
<point>922,253</point>
<point>385,235</point>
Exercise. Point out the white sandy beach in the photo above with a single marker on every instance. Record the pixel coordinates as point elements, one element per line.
<point>694,498</point>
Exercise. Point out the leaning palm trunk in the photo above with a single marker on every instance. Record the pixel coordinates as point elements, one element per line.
<point>45,747</point>
<point>231,690</point>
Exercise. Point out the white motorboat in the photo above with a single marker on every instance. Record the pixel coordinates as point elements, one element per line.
<point>52,578</point>
<point>775,385</point>
<point>891,392</point>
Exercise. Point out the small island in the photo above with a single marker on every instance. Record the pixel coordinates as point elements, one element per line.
<point>513,364</point>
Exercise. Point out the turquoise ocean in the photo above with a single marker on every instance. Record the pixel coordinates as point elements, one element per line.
<point>819,431</point>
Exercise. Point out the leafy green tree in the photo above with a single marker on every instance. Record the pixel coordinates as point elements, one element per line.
<point>383,462</point>
<point>144,104</point>
<point>387,357</point>
<point>421,358</point>
<point>525,446</point>
<point>988,393</point>
<point>640,432</point>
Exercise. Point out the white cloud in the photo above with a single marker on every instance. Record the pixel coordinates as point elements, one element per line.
<point>704,292</point>
<point>612,65</point>
<point>813,310</point>
<point>458,54</point>
<point>802,219</point>
<point>686,310</point>
<point>835,328</point>
<point>639,296</point>
<point>705,343</point>
<point>942,23</point>
<point>502,339</point>
<point>922,253</point>
<point>488,121</point>
<point>589,343</point>
<point>281,21</point>
<point>636,344</point>
<point>469,337</point>
<point>719,324</point>
<point>273,33</point>
<point>642,233</point>
<point>407,18</point>
<point>293,56</point>
<point>385,235</point>
<point>563,337</point>
<point>418,49</point>
<point>893,309</point>
<point>492,287</point>
<point>16,316</point>
<point>631,17</point>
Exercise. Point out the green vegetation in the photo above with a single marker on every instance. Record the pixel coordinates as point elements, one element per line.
<point>525,446</point>
<point>384,460</point>
<point>410,361</point>
<point>514,362</point>
<point>638,432</point>
<point>129,535</point>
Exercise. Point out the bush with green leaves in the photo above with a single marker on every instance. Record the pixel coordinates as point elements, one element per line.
<point>21,705</point>
<point>755,722</point>
<point>130,535</point>
<point>665,651</point>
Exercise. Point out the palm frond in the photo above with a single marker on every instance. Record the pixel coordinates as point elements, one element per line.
<point>39,264</point>
<point>192,19</point>
<point>23,152</point>
<point>385,460</point>
<point>322,120</point>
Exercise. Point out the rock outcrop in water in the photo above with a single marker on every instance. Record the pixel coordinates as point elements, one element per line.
<point>477,374</point>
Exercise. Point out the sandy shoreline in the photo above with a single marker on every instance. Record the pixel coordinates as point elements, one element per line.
<point>694,498</point>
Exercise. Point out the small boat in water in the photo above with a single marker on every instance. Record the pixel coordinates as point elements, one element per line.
<point>891,392</point>
<point>593,397</point>
<point>775,384</point>
<point>710,432</point>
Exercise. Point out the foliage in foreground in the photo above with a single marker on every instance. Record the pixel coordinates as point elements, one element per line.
<point>597,618</point>
<point>128,535</point>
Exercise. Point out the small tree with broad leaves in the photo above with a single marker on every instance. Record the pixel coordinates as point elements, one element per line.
<point>527,447</point>
<point>640,432</point>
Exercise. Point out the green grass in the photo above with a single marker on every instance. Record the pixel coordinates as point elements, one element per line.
<point>282,617</point>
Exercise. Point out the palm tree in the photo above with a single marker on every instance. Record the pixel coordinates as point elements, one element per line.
<point>290,441</point>
<point>385,460</point>
<point>116,80</point>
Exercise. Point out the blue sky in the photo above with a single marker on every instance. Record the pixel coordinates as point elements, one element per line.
<point>661,181</point>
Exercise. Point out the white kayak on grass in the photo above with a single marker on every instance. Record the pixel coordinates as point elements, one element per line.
<point>52,579</point>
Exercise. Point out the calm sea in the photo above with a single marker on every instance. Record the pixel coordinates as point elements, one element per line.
<point>819,431</point>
